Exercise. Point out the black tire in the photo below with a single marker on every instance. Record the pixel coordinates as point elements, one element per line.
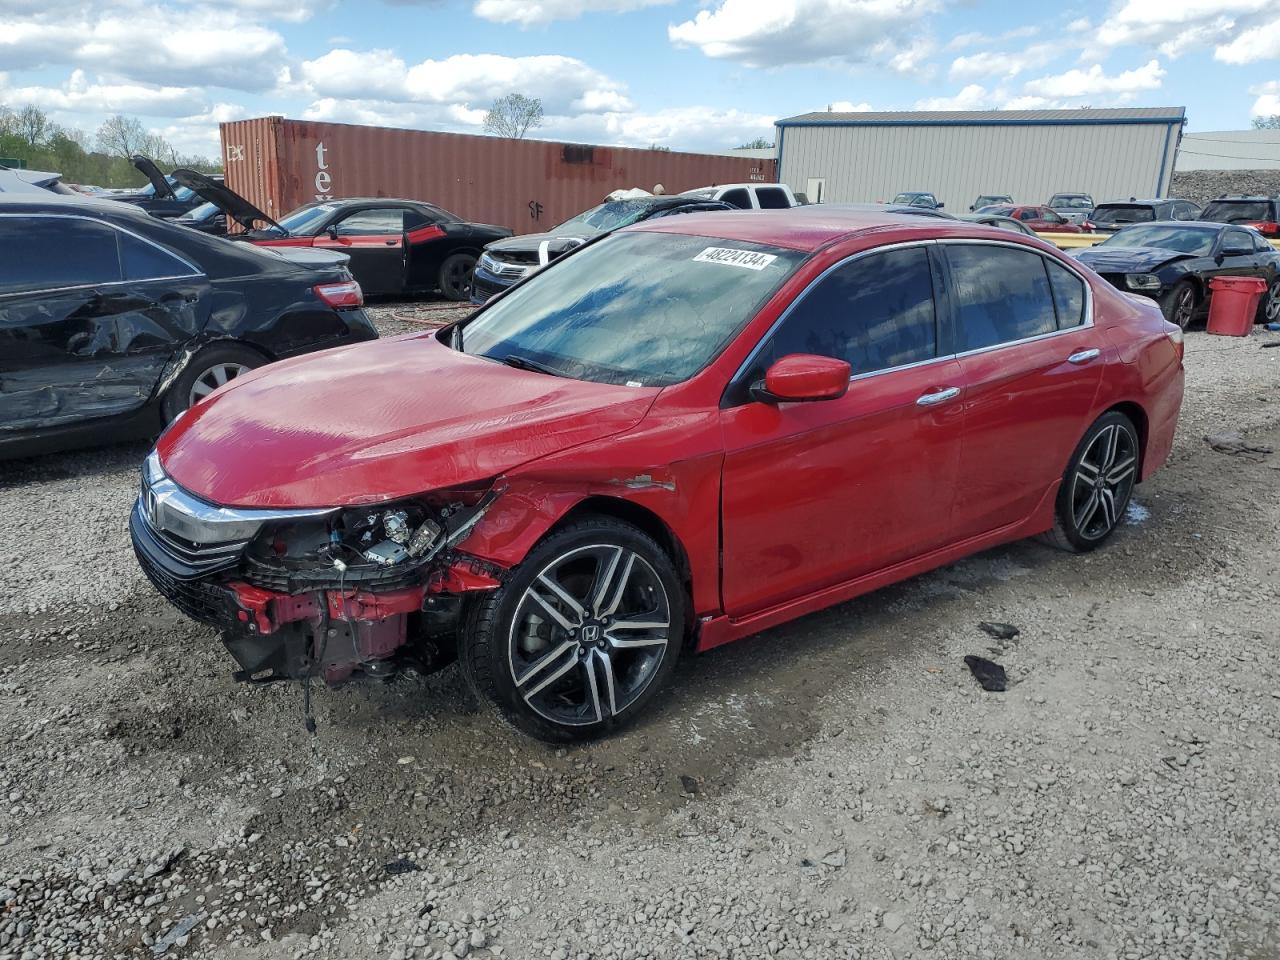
<point>228,355</point>
<point>1269,305</point>
<point>455,276</point>
<point>503,638</point>
<point>1180,304</point>
<point>1076,528</point>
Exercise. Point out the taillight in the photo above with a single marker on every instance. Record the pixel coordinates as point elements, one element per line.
<point>1087,226</point>
<point>1267,229</point>
<point>1174,333</point>
<point>346,293</point>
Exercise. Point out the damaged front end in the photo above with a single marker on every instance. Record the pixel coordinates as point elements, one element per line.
<point>326,593</point>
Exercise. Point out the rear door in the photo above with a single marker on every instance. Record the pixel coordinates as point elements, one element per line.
<point>1031,362</point>
<point>819,493</point>
<point>90,317</point>
<point>374,239</point>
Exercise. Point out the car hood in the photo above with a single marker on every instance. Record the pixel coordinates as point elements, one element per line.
<point>148,169</point>
<point>380,421</point>
<point>228,201</point>
<point>546,246</point>
<point>1128,259</point>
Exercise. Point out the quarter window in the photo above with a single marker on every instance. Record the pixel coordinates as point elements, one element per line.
<point>140,260</point>
<point>1001,295</point>
<point>1068,294</point>
<point>372,223</point>
<point>876,312</point>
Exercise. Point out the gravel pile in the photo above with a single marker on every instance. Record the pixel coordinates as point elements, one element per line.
<point>838,787</point>
<point>1204,185</point>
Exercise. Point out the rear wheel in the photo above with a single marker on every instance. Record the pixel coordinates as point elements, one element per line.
<point>1097,486</point>
<point>1269,307</point>
<point>582,636</point>
<point>205,372</point>
<point>455,276</point>
<point>1179,304</point>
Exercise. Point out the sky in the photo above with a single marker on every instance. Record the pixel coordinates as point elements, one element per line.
<point>686,74</point>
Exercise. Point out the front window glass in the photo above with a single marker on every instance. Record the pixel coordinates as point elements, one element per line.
<point>306,220</point>
<point>645,309</point>
<point>372,223</point>
<point>1194,240</point>
<point>1001,295</point>
<point>610,215</point>
<point>1236,211</point>
<point>876,312</point>
<point>1123,214</point>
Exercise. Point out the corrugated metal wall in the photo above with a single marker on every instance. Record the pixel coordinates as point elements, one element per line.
<point>958,162</point>
<point>528,185</point>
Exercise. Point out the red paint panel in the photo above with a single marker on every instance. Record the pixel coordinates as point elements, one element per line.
<point>423,234</point>
<point>286,242</point>
<point>359,242</point>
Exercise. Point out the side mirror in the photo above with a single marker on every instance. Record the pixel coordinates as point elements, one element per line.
<point>972,208</point>
<point>941,204</point>
<point>803,378</point>
<point>332,231</point>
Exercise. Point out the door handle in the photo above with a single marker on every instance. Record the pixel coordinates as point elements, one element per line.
<point>937,396</point>
<point>392,243</point>
<point>1084,356</point>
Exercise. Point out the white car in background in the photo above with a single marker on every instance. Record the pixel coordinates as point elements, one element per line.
<point>749,196</point>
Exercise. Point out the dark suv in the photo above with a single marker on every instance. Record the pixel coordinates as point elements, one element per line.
<point>113,322</point>
<point>1112,216</point>
<point>1261,213</point>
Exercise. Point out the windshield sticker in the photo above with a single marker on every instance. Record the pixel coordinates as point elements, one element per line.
<point>737,258</point>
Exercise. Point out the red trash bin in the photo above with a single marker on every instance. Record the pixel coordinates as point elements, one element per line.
<point>1233,307</point>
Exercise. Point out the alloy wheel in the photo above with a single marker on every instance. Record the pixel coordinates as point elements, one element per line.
<point>213,378</point>
<point>589,634</point>
<point>1273,303</point>
<point>1103,481</point>
<point>1184,307</point>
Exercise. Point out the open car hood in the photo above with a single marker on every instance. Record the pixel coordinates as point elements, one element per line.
<point>546,246</point>
<point>231,203</point>
<point>380,421</point>
<point>148,169</point>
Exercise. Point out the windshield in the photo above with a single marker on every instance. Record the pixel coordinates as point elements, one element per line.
<point>998,210</point>
<point>994,198</point>
<point>608,216</point>
<point>908,199</point>
<point>206,211</point>
<point>1235,211</point>
<point>307,219</point>
<point>641,309</point>
<point>1071,203</point>
<point>1198,241</point>
<point>1123,214</point>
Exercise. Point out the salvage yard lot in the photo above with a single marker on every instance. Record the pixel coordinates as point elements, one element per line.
<point>838,787</point>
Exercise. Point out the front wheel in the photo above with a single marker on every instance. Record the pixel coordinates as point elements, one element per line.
<point>1179,304</point>
<point>455,276</point>
<point>582,636</point>
<point>1097,486</point>
<point>1269,307</point>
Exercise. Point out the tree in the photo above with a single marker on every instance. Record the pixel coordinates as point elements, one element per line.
<point>121,136</point>
<point>513,116</point>
<point>1267,123</point>
<point>31,124</point>
<point>759,143</point>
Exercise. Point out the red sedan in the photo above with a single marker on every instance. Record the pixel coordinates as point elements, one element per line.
<point>1039,219</point>
<point>681,434</point>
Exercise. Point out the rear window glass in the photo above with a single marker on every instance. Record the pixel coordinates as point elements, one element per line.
<point>56,252</point>
<point>1236,211</point>
<point>1123,214</point>
<point>1001,295</point>
<point>140,260</point>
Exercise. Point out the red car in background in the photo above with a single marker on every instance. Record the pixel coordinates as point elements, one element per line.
<point>681,434</point>
<point>1039,219</point>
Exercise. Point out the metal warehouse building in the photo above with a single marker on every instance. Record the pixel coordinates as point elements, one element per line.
<point>1028,154</point>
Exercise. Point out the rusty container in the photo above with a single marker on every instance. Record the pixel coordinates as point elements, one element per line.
<point>527,185</point>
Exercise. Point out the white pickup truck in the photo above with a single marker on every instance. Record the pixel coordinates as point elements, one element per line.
<point>749,196</point>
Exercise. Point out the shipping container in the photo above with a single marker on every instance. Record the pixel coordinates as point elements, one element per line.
<point>527,185</point>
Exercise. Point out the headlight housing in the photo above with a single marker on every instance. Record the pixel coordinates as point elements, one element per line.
<point>1142,281</point>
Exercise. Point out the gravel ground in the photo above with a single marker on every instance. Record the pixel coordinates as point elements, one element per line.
<point>835,788</point>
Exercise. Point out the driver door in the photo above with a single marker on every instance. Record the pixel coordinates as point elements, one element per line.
<point>819,493</point>
<point>374,239</point>
<point>1234,255</point>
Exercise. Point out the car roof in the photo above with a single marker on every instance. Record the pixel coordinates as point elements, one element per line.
<point>810,228</point>
<point>1140,203</point>
<point>44,201</point>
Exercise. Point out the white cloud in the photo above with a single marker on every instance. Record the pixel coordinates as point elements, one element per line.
<point>1257,43</point>
<point>80,95</point>
<point>848,106</point>
<point>1176,26</point>
<point>989,63</point>
<point>528,13</point>
<point>972,97</point>
<point>1268,102</point>
<point>766,33</point>
<point>1095,82</point>
<point>564,84</point>
<point>198,133</point>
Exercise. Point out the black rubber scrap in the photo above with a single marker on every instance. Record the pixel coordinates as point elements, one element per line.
<point>1001,631</point>
<point>989,674</point>
<point>397,868</point>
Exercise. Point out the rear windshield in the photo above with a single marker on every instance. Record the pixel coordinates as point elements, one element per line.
<point>1071,203</point>
<point>640,309</point>
<point>1123,214</point>
<point>1236,211</point>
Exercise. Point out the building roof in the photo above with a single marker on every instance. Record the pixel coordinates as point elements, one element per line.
<point>1119,115</point>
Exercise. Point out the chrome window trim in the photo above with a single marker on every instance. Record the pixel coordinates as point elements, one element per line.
<point>196,271</point>
<point>1073,269</point>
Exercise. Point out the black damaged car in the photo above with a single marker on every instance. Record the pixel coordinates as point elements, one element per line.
<point>504,262</point>
<point>1173,263</point>
<point>162,196</point>
<point>113,322</point>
